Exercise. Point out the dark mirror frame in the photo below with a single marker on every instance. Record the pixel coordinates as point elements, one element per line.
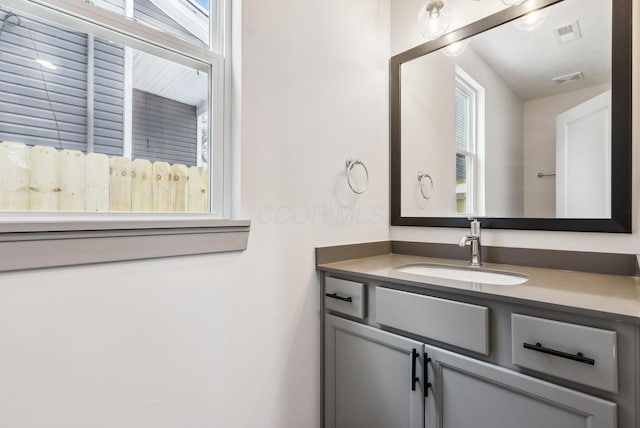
<point>621,123</point>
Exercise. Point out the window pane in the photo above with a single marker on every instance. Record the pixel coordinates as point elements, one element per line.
<point>43,82</point>
<point>462,120</point>
<point>90,125</point>
<point>462,185</point>
<point>167,100</point>
<point>186,19</point>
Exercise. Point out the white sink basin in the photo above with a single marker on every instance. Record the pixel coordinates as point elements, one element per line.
<point>463,273</point>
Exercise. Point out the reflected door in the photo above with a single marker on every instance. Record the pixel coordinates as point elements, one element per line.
<point>583,160</point>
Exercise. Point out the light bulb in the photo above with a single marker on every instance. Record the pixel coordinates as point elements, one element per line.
<point>531,20</point>
<point>456,48</point>
<point>433,19</point>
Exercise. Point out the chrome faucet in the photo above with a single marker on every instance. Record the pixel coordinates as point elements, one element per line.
<point>473,239</point>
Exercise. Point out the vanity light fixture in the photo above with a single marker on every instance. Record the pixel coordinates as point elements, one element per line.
<point>434,19</point>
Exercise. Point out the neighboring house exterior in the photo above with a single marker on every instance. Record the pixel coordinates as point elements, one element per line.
<point>163,129</point>
<point>81,104</point>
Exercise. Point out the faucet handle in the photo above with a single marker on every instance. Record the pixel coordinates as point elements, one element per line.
<point>475,226</point>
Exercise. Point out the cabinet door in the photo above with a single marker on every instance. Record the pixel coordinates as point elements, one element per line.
<point>372,378</point>
<point>472,394</point>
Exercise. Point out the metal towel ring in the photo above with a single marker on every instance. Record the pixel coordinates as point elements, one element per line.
<point>350,164</point>
<point>421,177</point>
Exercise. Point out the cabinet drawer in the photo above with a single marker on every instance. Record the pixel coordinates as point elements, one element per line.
<point>448,321</point>
<point>344,296</point>
<point>585,355</point>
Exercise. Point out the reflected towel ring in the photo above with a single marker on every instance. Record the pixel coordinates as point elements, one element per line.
<point>350,164</point>
<point>421,178</point>
<point>546,174</point>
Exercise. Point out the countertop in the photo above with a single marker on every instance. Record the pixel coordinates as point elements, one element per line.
<point>609,296</point>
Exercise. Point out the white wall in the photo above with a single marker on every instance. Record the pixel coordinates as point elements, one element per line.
<point>600,242</point>
<point>229,340</point>
<point>428,136</point>
<point>503,139</point>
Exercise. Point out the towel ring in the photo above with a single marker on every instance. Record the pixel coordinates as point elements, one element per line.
<point>421,178</point>
<point>350,164</point>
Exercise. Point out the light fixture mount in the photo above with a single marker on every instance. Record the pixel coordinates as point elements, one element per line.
<point>433,19</point>
<point>433,8</point>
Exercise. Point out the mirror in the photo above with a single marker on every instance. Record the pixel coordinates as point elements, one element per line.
<point>522,119</point>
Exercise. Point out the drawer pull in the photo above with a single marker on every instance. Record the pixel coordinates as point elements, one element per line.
<point>577,357</point>
<point>335,296</point>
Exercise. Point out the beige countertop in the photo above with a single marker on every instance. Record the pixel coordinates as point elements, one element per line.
<point>610,296</point>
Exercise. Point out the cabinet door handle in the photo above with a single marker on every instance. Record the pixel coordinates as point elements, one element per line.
<point>414,378</point>
<point>335,296</point>
<point>577,357</point>
<point>427,384</point>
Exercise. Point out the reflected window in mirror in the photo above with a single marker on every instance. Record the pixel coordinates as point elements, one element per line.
<point>469,139</point>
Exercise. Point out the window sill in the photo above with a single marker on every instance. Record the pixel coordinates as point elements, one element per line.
<point>50,240</point>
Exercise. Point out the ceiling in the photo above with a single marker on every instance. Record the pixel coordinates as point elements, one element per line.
<point>527,61</point>
<point>169,79</point>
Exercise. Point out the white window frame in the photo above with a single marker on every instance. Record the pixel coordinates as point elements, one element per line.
<point>83,237</point>
<point>475,153</point>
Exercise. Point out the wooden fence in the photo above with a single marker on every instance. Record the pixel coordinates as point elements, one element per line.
<point>43,178</point>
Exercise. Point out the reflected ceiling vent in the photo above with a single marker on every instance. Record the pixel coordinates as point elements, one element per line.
<point>569,78</point>
<point>568,33</point>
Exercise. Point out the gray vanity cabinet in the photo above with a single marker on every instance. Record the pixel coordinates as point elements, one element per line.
<point>487,364</point>
<point>467,392</point>
<point>373,379</point>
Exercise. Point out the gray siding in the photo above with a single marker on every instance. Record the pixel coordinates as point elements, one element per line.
<point>25,113</point>
<point>146,11</point>
<point>163,129</point>
<point>108,109</point>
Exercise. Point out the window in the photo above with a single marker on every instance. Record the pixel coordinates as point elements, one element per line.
<point>100,125</point>
<point>112,114</point>
<point>189,20</point>
<point>469,138</point>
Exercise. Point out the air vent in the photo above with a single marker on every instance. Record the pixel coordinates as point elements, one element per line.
<point>568,33</point>
<point>569,78</point>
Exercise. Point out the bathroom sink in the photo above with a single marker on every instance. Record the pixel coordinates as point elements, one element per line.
<point>464,273</point>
